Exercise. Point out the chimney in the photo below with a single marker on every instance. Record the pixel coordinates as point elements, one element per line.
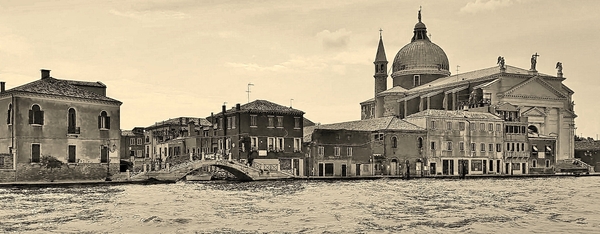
<point>45,73</point>
<point>191,128</point>
<point>237,107</point>
<point>2,86</point>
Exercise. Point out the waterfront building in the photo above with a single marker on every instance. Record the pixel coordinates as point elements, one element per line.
<point>380,146</point>
<point>422,81</point>
<point>587,151</point>
<point>163,139</point>
<point>461,142</point>
<point>132,148</point>
<point>71,121</point>
<point>261,133</point>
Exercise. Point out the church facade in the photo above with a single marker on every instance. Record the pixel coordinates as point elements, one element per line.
<point>532,104</point>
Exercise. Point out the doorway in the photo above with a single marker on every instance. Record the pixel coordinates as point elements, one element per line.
<point>357,169</point>
<point>523,168</point>
<point>432,169</point>
<point>394,167</point>
<point>343,169</point>
<point>321,169</point>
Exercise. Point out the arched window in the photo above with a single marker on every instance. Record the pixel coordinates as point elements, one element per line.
<point>36,115</point>
<point>103,120</point>
<point>72,122</point>
<point>420,143</point>
<point>394,142</point>
<point>9,114</point>
<point>532,129</point>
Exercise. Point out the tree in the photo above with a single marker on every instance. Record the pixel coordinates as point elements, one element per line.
<point>50,162</point>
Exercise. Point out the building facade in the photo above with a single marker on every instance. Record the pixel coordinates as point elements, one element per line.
<point>132,148</point>
<point>381,146</point>
<point>73,122</point>
<point>422,81</point>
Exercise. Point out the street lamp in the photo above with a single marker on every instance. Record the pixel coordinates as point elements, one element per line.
<point>111,149</point>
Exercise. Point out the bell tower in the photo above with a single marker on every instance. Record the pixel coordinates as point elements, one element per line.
<point>380,67</point>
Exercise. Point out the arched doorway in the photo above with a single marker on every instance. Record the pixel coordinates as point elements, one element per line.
<point>394,167</point>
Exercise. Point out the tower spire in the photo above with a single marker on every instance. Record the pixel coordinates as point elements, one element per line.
<point>380,57</point>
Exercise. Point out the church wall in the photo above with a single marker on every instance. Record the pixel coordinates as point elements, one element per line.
<point>412,106</point>
<point>437,102</point>
<point>407,81</point>
<point>391,107</point>
<point>379,107</point>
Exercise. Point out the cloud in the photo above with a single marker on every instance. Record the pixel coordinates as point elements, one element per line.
<point>334,40</point>
<point>485,5</point>
<point>150,15</point>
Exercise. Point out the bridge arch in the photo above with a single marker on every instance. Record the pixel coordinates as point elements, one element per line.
<point>240,175</point>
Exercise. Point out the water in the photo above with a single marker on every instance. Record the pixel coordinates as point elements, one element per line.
<point>558,205</point>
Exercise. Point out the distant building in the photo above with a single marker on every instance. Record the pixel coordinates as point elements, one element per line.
<point>381,146</point>
<point>132,147</point>
<point>422,81</point>
<point>73,121</point>
<point>262,133</point>
<point>588,151</point>
<point>160,138</point>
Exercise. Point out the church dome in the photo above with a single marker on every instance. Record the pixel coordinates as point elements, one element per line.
<point>420,56</point>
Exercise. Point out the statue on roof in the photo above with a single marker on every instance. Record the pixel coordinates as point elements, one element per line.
<point>534,61</point>
<point>419,13</point>
<point>501,62</point>
<point>559,67</point>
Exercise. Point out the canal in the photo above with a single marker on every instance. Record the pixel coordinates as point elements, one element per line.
<point>559,205</point>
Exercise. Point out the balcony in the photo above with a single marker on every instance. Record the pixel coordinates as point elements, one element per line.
<point>73,130</point>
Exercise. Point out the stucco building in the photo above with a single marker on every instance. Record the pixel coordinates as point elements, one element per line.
<point>72,121</point>
<point>422,81</point>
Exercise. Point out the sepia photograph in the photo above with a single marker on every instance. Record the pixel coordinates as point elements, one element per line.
<point>303,116</point>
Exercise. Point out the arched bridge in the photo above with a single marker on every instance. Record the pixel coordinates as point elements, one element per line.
<point>241,171</point>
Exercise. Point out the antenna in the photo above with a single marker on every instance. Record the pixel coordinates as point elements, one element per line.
<point>291,102</point>
<point>457,66</point>
<point>249,84</point>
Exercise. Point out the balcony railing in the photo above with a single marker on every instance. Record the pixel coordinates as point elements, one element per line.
<point>73,130</point>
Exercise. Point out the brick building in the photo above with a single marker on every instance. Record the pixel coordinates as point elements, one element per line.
<point>381,146</point>
<point>72,121</point>
<point>132,148</point>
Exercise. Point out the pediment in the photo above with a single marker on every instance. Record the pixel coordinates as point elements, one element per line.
<point>534,111</point>
<point>506,107</point>
<point>535,87</point>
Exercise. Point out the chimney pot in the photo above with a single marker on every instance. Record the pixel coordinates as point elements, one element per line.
<point>45,73</point>
<point>2,86</point>
<point>237,107</point>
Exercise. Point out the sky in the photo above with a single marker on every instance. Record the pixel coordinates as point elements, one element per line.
<point>171,58</point>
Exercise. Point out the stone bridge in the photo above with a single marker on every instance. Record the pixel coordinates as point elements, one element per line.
<point>241,171</point>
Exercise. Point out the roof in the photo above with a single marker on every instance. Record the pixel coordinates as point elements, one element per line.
<point>58,87</point>
<point>86,83</point>
<point>587,145</point>
<point>306,122</point>
<point>380,56</point>
<point>368,101</point>
<point>176,121</point>
<point>454,114</point>
<point>264,106</point>
<point>127,133</point>
<point>470,76</point>
<point>395,89</point>
<point>376,124</point>
<point>307,133</point>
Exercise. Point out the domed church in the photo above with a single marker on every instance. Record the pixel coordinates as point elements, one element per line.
<point>422,81</point>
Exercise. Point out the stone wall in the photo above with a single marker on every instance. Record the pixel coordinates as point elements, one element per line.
<point>74,172</point>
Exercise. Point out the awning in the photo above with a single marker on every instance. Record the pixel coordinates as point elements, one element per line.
<point>535,149</point>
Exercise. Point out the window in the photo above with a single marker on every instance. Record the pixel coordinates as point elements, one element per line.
<point>131,141</point>
<point>221,123</point>
<point>321,151</point>
<point>349,151</point>
<point>548,149</point>
<point>103,120</point>
<point>336,151</point>
<point>461,126</point>
<point>139,141</point>
<point>448,125</point>
<point>9,114</point>
<point>482,126</point>
<point>491,127</point>
<point>271,122</point>
<point>461,146</point>
<point>280,145</point>
<point>432,124</point>
<point>473,149</point>
<point>416,80</point>
<point>132,153</point>
<point>35,153</point>
<point>104,154</point>
<point>253,121</point>
<point>498,128</point>
<point>232,122</point>
<point>419,143</point>
<point>36,115</point>
<point>72,121</point>
<point>254,143</point>
<point>449,145</point>
<point>297,144</point>
<point>534,163</point>
<point>280,121</point>
<point>139,153</point>
<point>394,142</point>
<point>547,163</point>
<point>498,148</point>
<point>473,126</point>
<point>229,122</point>
<point>482,147</point>
<point>147,139</point>
<point>433,145</point>
<point>271,143</point>
<point>72,154</point>
<point>491,147</point>
<point>296,122</point>
<point>378,136</point>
